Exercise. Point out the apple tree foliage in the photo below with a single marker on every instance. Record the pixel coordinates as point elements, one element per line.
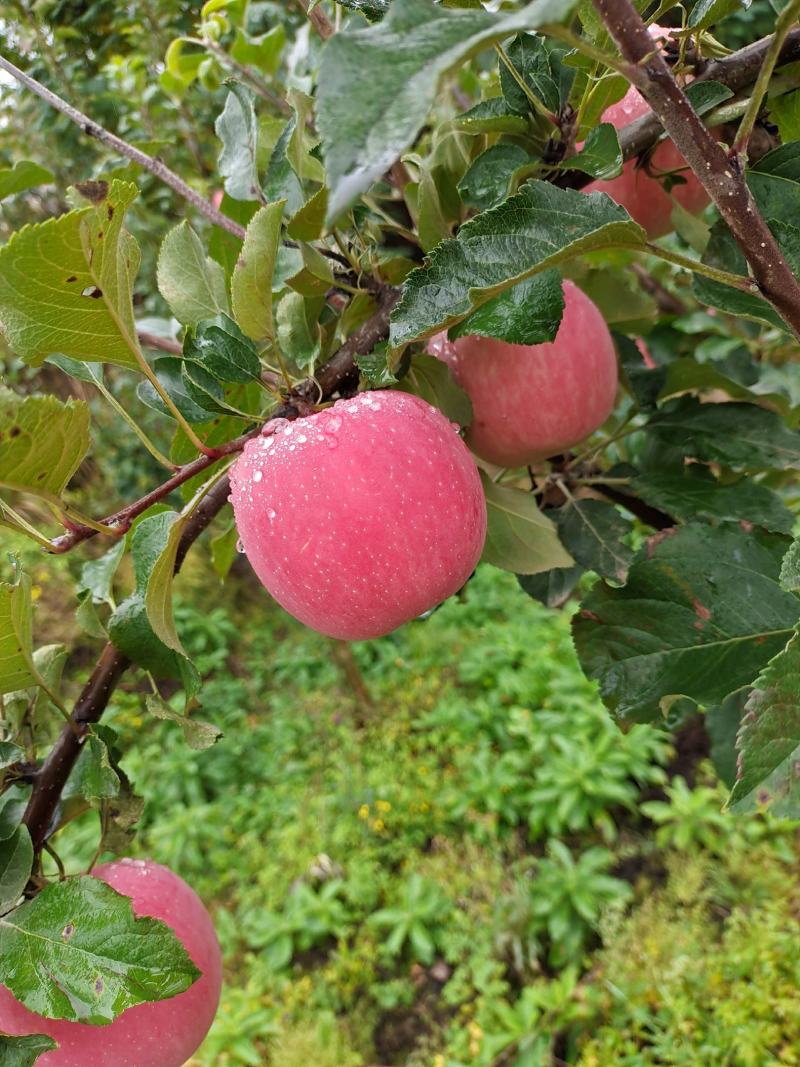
<point>420,156</point>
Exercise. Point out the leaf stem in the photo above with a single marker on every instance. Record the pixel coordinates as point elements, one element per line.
<point>735,281</point>
<point>148,444</point>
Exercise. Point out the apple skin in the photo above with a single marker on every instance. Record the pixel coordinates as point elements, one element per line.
<point>642,196</point>
<point>535,401</point>
<point>163,1034</point>
<point>363,516</point>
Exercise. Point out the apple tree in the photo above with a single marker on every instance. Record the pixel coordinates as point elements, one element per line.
<point>452,281</point>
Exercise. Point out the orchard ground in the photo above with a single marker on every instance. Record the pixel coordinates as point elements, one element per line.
<point>434,860</point>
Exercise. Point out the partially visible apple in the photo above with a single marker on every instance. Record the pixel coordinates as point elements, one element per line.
<point>163,1034</point>
<point>363,516</point>
<point>643,196</point>
<point>535,401</point>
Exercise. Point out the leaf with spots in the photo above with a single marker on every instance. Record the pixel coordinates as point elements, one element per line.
<point>42,442</point>
<point>768,771</point>
<point>519,538</point>
<point>702,613</point>
<point>24,1051</point>
<point>66,284</point>
<point>77,952</point>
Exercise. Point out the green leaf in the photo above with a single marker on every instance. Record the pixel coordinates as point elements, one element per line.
<point>784,111</point>
<point>168,370</point>
<point>374,10</point>
<point>24,1051</point>
<point>693,492</point>
<point>191,283</point>
<point>488,179</point>
<point>281,182</point>
<point>308,224</point>
<point>705,95</point>
<point>223,350</point>
<point>490,116</point>
<point>701,615</point>
<point>736,435</point>
<point>724,253</point>
<point>16,636</point>
<point>42,442</point>
<point>554,587</point>
<point>23,175</point>
<point>13,803</point>
<point>389,74</point>
<point>519,537</point>
<point>375,368</point>
<point>768,774</point>
<point>592,532</point>
<point>706,13</point>
<point>538,228</point>
<point>430,378</point>
<point>77,952</point>
<point>790,569</point>
<point>601,155</point>
<point>10,754</point>
<point>94,777</point>
<point>237,128</point>
<point>251,286</point>
<point>154,547</point>
<point>298,331</point>
<point>538,61</point>
<point>687,375</point>
<point>262,52</point>
<point>223,551</point>
<point>97,575</point>
<point>199,735</point>
<point>66,284</point>
<point>16,863</point>
<point>722,725</point>
<point>527,314</point>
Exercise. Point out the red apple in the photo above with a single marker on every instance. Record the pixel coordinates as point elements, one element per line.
<point>535,401</point>
<point>163,1034</point>
<point>643,196</point>
<point>362,516</point>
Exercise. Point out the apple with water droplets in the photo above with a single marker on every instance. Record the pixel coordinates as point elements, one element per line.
<point>531,402</point>
<point>162,1034</point>
<point>639,189</point>
<point>362,516</point>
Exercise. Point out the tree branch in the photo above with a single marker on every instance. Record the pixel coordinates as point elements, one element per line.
<point>718,174</point>
<point>737,71</point>
<point>50,779</point>
<point>104,136</point>
<point>318,19</point>
<point>162,344</point>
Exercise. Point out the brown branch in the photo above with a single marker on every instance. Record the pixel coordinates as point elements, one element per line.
<point>737,71</point>
<point>51,778</point>
<point>666,301</point>
<point>104,136</point>
<point>318,19</point>
<point>162,344</point>
<point>718,174</point>
<point>649,515</point>
<point>303,396</point>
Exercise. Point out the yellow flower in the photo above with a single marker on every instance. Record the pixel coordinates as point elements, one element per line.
<point>378,825</point>
<point>383,806</point>
<point>363,811</point>
<point>36,592</point>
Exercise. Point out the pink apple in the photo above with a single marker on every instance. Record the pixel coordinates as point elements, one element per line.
<point>535,401</point>
<point>163,1034</point>
<point>362,516</point>
<point>643,196</point>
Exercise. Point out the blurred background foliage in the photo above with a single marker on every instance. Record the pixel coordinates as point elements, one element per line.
<point>435,850</point>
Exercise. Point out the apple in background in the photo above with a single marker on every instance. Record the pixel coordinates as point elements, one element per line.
<point>362,516</point>
<point>163,1034</point>
<point>535,401</point>
<point>643,196</point>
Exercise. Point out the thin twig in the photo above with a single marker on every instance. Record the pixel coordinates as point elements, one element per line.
<point>104,136</point>
<point>666,301</point>
<point>248,75</point>
<point>720,177</point>
<point>162,344</point>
